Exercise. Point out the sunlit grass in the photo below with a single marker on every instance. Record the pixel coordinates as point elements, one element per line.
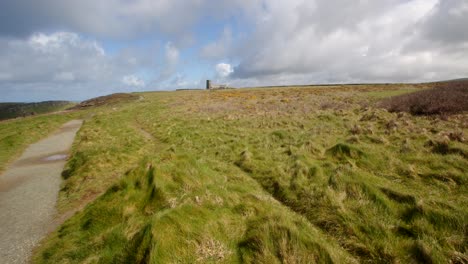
<point>275,175</point>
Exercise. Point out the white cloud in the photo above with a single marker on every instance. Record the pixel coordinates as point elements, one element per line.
<point>220,48</point>
<point>115,18</point>
<point>65,65</point>
<point>60,56</point>
<point>447,23</point>
<point>223,70</point>
<point>5,76</point>
<point>172,55</point>
<point>133,80</point>
<point>348,41</point>
<point>180,81</point>
<point>64,76</point>
<point>45,42</point>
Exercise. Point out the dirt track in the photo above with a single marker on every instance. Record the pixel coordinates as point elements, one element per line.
<point>28,193</point>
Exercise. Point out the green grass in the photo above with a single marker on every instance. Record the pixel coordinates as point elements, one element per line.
<point>301,175</point>
<point>395,92</point>
<point>16,135</point>
<point>106,146</point>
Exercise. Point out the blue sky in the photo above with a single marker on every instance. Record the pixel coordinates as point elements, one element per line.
<point>75,50</point>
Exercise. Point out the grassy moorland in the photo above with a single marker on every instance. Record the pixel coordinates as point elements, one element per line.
<point>279,175</point>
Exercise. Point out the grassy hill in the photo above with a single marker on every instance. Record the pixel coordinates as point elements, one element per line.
<point>14,110</point>
<point>279,175</point>
<point>107,100</point>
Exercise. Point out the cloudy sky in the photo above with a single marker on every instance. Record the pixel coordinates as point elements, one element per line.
<point>74,50</point>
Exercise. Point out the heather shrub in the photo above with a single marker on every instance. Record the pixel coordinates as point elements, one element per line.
<point>443,99</point>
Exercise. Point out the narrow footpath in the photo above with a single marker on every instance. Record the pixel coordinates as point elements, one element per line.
<point>28,194</point>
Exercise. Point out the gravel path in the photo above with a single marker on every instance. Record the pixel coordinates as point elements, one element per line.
<point>28,193</point>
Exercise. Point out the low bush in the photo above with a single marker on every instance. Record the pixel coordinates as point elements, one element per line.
<point>444,98</point>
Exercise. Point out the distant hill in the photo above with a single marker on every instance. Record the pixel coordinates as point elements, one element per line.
<point>13,110</point>
<point>106,100</point>
<point>457,80</point>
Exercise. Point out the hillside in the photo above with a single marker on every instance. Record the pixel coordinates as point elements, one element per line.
<point>280,175</point>
<point>106,100</point>
<point>13,110</point>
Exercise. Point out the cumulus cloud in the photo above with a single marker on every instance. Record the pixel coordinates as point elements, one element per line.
<point>345,41</point>
<point>447,22</point>
<point>223,70</point>
<point>133,80</point>
<point>64,76</point>
<point>220,48</point>
<point>61,56</point>
<point>172,55</point>
<point>112,18</point>
<point>65,65</point>
<point>171,58</point>
<point>180,81</point>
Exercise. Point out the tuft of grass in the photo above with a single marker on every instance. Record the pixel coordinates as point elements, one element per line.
<point>422,253</point>
<point>272,241</point>
<point>342,151</point>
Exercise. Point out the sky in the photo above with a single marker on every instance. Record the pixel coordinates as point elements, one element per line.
<point>76,50</point>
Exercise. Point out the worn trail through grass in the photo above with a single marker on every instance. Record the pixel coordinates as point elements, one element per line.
<point>28,193</point>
